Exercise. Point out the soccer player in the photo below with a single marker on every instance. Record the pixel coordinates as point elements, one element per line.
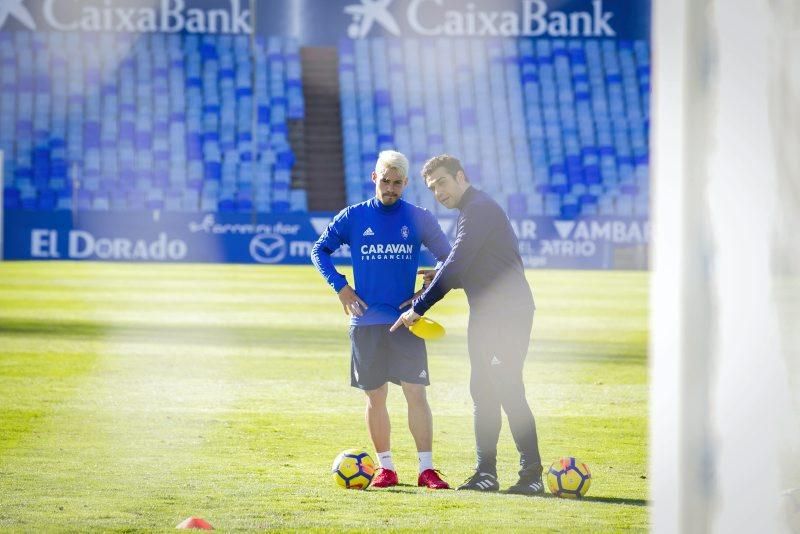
<point>384,234</point>
<point>485,262</point>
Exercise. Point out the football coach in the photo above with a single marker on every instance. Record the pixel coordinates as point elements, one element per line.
<point>485,262</point>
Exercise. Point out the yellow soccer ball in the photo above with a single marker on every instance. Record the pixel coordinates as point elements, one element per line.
<point>353,469</point>
<point>568,477</point>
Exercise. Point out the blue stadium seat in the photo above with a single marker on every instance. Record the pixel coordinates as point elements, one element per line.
<point>552,204</point>
<point>47,200</point>
<point>280,206</point>
<point>517,205</point>
<point>244,205</point>
<point>11,197</point>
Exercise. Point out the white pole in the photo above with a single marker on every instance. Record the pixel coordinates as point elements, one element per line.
<point>725,298</point>
<point>751,386</point>
<point>679,322</point>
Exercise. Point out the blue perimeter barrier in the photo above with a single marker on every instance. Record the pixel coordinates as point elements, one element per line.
<point>545,242</point>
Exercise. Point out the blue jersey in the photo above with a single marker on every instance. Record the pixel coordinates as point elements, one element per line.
<point>385,243</point>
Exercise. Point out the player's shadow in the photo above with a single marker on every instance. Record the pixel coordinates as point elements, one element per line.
<point>399,488</point>
<point>617,500</point>
<point>404,488</point>
<point>607,500</point>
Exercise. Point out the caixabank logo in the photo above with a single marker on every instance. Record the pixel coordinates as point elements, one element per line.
<point>15,9</point>
<point>455,18</point>
<point>170,16</point>
<point>368,13</point>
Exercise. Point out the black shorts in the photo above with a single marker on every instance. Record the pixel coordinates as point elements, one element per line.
<point>380,356</point>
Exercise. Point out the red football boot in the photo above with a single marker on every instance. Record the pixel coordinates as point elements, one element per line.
<point>430,478</point>
<point>384,478</point>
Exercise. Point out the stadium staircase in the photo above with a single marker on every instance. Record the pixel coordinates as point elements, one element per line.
<point>323,164</point>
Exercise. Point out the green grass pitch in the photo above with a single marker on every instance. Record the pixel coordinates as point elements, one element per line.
<point>134,396</point>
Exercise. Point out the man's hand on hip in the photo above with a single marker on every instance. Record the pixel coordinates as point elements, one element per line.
<point>351,302</point>
<point>427,278</point>
<point>411,300</point>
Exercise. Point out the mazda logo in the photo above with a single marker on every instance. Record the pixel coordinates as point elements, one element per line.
<point>268,248</point>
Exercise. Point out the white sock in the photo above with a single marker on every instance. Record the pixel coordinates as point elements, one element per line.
<point>385,460</point>
<point>425,461</point>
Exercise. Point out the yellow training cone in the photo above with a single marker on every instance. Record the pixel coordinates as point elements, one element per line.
<point>427,329</point>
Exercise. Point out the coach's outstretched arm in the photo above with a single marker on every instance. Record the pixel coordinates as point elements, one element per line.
<point>472,233</point>
<point>436,241</point>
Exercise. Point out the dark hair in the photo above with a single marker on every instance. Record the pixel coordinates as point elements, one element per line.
<point>450,164</point>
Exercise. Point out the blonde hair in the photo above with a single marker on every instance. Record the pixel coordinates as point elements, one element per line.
<point>391,159</point>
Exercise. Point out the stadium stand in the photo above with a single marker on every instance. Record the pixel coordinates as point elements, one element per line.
<point>112,121</point>
<point>549,127</point>
<point>122,122</point>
